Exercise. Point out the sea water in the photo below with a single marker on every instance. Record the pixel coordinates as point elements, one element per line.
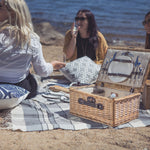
<point>117,19</point>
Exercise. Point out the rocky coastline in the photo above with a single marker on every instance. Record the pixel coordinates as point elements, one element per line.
<point>50,36</point>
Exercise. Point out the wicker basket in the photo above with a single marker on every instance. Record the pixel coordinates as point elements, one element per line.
<point>112,112</point>
<point>86,103</point>
<point>146,95</point>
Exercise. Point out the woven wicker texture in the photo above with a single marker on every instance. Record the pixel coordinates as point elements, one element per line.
<point>125,106</point>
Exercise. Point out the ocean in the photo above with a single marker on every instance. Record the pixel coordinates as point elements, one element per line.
<point>118,20</point>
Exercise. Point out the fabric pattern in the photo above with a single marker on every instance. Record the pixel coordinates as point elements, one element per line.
<point>82,70</point>
<point>11,95</point>
<point>24,57</point>
<point>11,91</point>
<point>43,113</point>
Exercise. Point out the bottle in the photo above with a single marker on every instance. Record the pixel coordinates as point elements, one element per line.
<point>75,28</point>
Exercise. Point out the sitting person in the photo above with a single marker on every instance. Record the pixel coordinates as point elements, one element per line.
<point>86,40</point>
<point>20,47</point>
<point>146,24</point>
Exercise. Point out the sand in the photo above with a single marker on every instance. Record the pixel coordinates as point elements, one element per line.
<point>91,139</point>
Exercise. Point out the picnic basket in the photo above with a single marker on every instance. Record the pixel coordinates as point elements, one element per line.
<point>115,98</point>
<point>146,95</point>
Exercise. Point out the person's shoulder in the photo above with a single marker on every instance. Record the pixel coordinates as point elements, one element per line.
<point>34,36</point>
<point>100,35</point>
<point>102,39</point>
<point>34,41</point>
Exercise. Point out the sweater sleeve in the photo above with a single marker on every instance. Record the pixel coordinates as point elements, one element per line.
<point>41,67</point>
<point>101,49</point>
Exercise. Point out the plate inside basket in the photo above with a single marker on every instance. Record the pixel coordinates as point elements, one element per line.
<point>120,69</point>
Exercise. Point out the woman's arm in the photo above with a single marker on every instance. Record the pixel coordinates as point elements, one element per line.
<point>70,48</point>
<point>40,66</point>
<point>101,49</point>
<point>70,42</point>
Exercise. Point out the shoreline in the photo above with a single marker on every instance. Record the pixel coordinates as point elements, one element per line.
<point>111,38</point>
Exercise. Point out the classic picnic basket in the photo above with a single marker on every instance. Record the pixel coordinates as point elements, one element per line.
<point>115,97</point>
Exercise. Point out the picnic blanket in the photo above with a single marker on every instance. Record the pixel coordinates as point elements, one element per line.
<point>45,112</point>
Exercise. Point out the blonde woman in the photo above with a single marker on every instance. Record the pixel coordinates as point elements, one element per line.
<point>20,47</point>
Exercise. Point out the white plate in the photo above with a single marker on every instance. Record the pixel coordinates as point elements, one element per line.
<point>121,68</point>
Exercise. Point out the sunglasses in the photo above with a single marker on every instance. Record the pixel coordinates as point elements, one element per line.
<point>80,18</point>
<point>146,22</point>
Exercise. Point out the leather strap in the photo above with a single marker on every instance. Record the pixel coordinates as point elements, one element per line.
<point>118,74</point>
<point>123,60</point>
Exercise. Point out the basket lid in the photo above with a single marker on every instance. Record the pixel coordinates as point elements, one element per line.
<point>124,68</point>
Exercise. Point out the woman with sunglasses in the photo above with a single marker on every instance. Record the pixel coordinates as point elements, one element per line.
<point>86,40</point>
<point>146,24</point>
<point>20,47</point>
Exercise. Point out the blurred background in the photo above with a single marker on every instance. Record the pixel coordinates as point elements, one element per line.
<point>118,20</point>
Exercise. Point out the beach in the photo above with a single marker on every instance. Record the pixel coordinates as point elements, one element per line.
<point>88,139</point>
<point>121,24</point>
<point>94,139</point>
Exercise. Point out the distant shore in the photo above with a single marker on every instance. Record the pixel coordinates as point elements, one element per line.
<point>50,33</point>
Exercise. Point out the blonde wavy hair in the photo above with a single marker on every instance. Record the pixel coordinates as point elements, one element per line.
<point>19,21</point>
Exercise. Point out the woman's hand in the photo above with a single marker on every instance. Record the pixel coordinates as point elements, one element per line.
<point>74,30</point>
<point>58,65</point>
<point>70,48</point>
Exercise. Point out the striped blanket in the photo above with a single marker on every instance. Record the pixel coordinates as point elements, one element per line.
<point>46,113</point>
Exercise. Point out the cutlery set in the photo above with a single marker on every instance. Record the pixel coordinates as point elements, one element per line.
<point>138,67</point>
